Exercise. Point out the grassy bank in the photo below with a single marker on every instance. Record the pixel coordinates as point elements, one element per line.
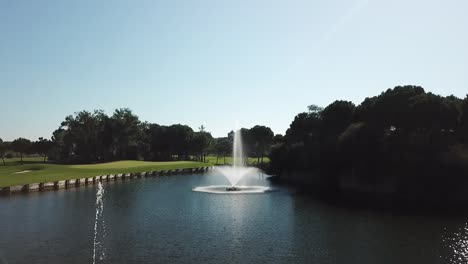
<point>34,171</point>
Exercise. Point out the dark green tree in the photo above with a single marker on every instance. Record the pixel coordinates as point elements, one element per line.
<point>247,144</point>
<point>261,141</point>
<point>463,134</point>
<point>201,143</point>
<point>159,142</point>
<point>223,147</point>
<point>179,138</point>
<point>278,138</point>
<point>125,133</point>
<point>404,135</point>
<point>42,146</point>
<point>21,146</point>
<point>3,150</point>
<point>304,125</point>
<point>337,116</point>
<point>81,137</point>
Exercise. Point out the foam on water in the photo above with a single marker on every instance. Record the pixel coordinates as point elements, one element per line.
<point>235,174</point>
<point>221,189</point>
<point>457,242</point>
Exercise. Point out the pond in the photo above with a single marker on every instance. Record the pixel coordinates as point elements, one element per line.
<point>161,220</point>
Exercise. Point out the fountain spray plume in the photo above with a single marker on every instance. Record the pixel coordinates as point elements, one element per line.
<point>235,172</point>
<point>237,151</point>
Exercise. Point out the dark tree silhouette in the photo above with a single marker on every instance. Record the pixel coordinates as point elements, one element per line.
<point>125,133</point>
<point>278,138</point>
<point>337,116</point>
<point>464,121</point>
<point>201,143</point>
<point>22,146</point>
<point>261,140</point>
<point>404,139</point>
<point>222,147</point>
<point>42,146</point>
<point>88,137</point>
<point>3,150</point>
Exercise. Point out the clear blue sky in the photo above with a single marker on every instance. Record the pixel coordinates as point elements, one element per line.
<point>219,63</point>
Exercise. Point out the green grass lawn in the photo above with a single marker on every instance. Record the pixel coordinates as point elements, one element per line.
<point>26,160</point>
<point>45,172</point>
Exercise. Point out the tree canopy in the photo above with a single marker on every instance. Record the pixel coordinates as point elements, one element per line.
<point>404,134</point>
<point>22,146</point>
<point>2,151</point>
<point>90,137</point>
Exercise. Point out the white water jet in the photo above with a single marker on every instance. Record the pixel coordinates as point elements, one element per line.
<point>237,150</point>
<point>99,225</point>
<point>234,173</point>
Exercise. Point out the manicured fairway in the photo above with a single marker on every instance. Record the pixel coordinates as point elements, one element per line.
<point>33,171</point>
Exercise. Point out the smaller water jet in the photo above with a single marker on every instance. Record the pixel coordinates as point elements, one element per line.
<point>99,225</point>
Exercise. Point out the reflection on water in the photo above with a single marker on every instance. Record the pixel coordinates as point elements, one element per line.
<point>457,242</point>
<point>161,220</point>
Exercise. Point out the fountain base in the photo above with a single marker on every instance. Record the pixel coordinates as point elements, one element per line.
<point>232,189</point>
<point>229,189</point>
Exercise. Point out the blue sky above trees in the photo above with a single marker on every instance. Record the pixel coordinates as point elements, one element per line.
<point>219,63</point>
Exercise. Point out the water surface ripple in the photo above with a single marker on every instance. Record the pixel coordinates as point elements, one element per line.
<point>161,220</point>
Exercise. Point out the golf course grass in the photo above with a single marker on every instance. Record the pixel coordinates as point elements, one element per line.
<point>35,171</point>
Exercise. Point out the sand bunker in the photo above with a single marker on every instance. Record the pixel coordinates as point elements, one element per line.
<point>20,172</point>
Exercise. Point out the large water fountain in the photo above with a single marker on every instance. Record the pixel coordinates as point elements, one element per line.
<point>235,173</point>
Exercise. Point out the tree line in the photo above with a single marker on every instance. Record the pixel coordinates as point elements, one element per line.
<point>412,138</point>
<point>91,137</point>
<point>24,146</point>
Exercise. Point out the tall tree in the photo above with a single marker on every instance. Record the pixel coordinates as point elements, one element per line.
<point>262,139</point>
<point>2,151</point>
<point>81,136</point>
<point>125,132</point>
<point>463,134</point>
<point>337,116</point>
<point>179,138</point>
<point>278,138</point>
<point>304,127</point>
<point>247,143</point>
<point>42,146</point>
<point>201,143</point>
<point>159,144</point>
<point>103,133</point>
<point>223,147</point>
<point>22,146</point>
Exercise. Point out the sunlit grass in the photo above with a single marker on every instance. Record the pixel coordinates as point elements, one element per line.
<point>44,172</point>
<point>38,171</point>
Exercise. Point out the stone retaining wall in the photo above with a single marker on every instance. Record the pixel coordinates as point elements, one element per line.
<point>71,183</point>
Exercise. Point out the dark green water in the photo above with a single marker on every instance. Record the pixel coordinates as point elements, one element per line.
<point>160,220</point>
